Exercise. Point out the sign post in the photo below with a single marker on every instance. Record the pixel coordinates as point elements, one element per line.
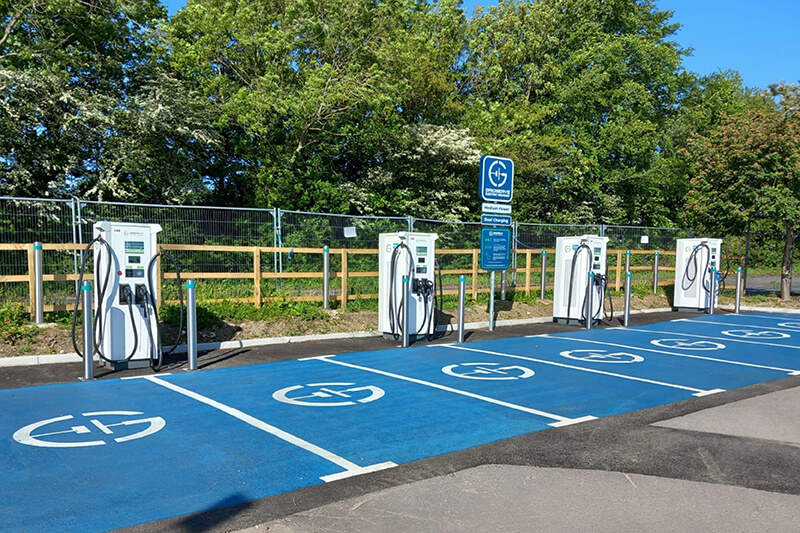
<point>496,190</point>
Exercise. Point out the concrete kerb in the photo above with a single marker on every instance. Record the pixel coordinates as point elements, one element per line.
<point>32,360</point>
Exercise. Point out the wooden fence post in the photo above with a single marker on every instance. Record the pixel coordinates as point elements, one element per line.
<point>257,276</point>
<point>619,271</point>
<point>344,279</point>
<point>527,272</point>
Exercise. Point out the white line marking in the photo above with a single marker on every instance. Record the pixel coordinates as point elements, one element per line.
<point>789,371</point>
<point>695,321</point>
<point>708,392</point>
<point>351,469</point>
<point>560,420</point>
<point>582,369</point>
<point>726,339</point>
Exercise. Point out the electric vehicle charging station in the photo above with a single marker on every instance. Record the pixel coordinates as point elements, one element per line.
<point>127,328</point>
<point>411,255</point>
<point>576,258</point>
<point>694,260</point>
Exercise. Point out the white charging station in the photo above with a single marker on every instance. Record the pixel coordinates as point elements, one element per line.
<point>127,334</point>
<point>588,253</point>
<point>694,259</point>
<point>413,255</point>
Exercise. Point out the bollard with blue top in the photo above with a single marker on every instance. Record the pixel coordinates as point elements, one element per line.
<point>738,290</point>
<point>627,299</point>
<point>544,273</point>
<point>39,284</point>
<point>713,291</point>
<point>88,333</point>
<point>326,271</point>
<point>191,324</point>
<point>655,275</point>
<point>589,306</point>
<point>406,313</point>
<point>462,291</point>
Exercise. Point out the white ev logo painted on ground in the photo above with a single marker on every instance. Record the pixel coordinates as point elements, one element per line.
<point>602,356</point>
<point>685,344</point>
<point>488,371</point>
<point>756,334</point>
<point>329,394</point>
<point>66,438</point>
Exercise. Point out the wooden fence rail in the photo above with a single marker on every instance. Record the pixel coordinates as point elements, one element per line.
<point>344,274</point>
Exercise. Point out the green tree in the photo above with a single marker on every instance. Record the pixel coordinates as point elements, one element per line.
<point>578,92</point>
<point>748,167</point>
<point>325,94</point>
<point>87,108</point>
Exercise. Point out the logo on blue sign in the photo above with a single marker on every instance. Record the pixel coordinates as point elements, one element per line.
<point>497,179</point>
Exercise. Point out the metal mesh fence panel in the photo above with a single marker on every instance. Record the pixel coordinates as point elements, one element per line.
<point>538,236</point>
<point>24,221</point>
<point>643,237</point>
<point>198,225</point>
<point>317,230</point>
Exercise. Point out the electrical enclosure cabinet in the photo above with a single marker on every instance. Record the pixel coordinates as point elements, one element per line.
<point>416,260</point>
<point>694,259</point>
<point>569,293</point>
<point>126,330</point>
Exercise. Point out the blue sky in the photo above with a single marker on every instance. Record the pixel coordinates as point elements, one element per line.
<point>758,38</point>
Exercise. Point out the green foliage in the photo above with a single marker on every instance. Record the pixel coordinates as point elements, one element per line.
<point>15,324</point>
<point>211,313</point>
<point>748,168</point>
<point>87,106</point>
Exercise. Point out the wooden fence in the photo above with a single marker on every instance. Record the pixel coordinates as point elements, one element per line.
<point>530,267</point>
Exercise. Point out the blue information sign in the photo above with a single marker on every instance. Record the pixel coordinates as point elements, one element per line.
<point>495,220</point>
<point>495,248</point>
<point>497,179</point>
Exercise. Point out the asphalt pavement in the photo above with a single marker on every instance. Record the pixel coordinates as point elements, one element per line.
<point>724,462</point>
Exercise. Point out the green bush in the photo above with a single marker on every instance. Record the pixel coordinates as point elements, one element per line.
<point>14,324</point>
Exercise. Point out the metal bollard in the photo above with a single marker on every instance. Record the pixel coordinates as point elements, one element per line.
<point>655,274</point>
<point>627,319</point>
<point>628,261</point>
<point>326,274</point>
<point>406,313</point>
<point>39,284</point>
<point>589,306</point>
<point>738,306</point>
<point>191,324</point>
<point>88,333</point>
<point>544,273</point>
<point>491,301</point>
<point>462,291</point>
<point>503,286</point>
<point>712,293</point>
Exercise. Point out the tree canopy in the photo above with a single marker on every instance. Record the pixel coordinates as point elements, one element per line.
<point>382,107</point>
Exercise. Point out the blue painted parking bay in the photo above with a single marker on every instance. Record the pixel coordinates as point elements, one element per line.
<point>109,454</point>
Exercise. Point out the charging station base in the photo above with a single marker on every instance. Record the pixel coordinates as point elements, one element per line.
<point>128,365</point>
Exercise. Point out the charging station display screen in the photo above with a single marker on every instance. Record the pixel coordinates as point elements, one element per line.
<point>134,273</point>
<point>135,259</point>
<point>134,247</point>
<point>422,250</point>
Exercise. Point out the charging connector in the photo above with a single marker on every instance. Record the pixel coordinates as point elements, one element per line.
<point>141,295</point>
<point>125,295</point>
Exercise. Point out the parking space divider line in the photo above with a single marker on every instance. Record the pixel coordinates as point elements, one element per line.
<point>559,420</point>
<point>694,391</point>
<point>351,469</point>
<point>778,328</point>
<point>729,339</point>
<point>690,356</point>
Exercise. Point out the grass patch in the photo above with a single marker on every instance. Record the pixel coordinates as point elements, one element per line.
<point>15,324</point>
